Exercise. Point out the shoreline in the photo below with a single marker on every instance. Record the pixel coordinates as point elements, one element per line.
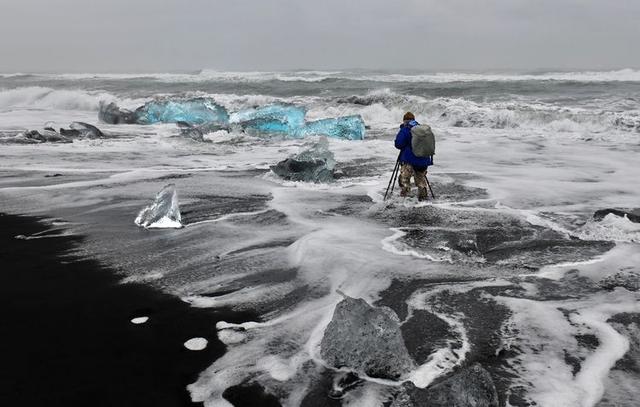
<point>68,331</point>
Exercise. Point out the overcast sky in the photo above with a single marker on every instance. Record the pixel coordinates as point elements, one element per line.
<point>170,35</point>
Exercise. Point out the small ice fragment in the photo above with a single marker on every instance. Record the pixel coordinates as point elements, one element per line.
<point>314,164</point>
<point>196,344</point>
<point>164,212</point>
<point>139,320</point>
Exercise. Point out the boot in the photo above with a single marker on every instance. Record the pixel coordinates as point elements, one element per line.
<point>422,194</point>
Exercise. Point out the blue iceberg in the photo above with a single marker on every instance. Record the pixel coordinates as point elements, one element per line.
<point>289,121</point>
<point>276,118</point>
<point>347,127</point>
<point>282,119</point>
<point>192,111</point>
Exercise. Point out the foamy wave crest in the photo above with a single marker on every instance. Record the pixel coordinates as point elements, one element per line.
<point>464,113</point>
<point>206,75</point>
<point>47,98</point>
<point>295,76</point>
<point>611,227</point>
<point>622,75</point>
<point>387,105</point>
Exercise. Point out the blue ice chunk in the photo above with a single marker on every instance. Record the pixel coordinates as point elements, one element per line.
<point>276,118</point>
<point>192,111</point>
<point>267,126</point>
<point>347,127</point>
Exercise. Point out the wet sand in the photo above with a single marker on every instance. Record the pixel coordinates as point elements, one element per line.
<point>67,338</point>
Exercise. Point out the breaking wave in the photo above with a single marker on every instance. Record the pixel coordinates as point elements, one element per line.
<point>47,98</point>
<point>380,108</point>
<point>459,112</point>
<point>621,75</point>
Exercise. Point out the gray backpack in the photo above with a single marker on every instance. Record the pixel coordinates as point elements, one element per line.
<point>423,142</point>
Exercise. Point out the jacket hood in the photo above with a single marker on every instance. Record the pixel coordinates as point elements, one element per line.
<point>412,123</point>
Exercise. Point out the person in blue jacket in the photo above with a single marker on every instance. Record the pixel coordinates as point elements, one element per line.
<point>410,165</point>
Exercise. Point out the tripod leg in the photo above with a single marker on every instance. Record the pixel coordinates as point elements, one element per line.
<point>394,180</point>
<point>391,181</point>
<point>429,184</point>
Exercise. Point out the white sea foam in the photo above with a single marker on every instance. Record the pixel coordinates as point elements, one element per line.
<point>391,245</point>
<point>139,320</point>
<point>545,334</point>
<point>611,227</point>
<point>196,344</point>
<point>443,360</point>
<point>622,258</point>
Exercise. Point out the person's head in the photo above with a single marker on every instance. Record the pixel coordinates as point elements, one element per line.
<point>408,117</point>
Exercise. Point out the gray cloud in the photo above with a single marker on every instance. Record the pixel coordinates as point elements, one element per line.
<point>163,35</point>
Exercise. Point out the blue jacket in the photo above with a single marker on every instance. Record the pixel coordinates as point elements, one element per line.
<point>403,143</point>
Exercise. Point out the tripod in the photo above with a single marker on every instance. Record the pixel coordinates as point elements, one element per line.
<point>392,181</point>
<point>394,176</point>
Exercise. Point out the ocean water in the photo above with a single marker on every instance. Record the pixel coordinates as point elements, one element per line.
<point>508,256</point>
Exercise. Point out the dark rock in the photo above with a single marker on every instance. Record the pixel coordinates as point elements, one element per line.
<point>470,387</point>
<point>81,129</point>
<point>48,136</point>
<point>600,214</point>
<point>69,132</point>
<point>366,339</point>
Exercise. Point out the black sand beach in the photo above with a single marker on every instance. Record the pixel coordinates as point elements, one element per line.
<point>67,339</point>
